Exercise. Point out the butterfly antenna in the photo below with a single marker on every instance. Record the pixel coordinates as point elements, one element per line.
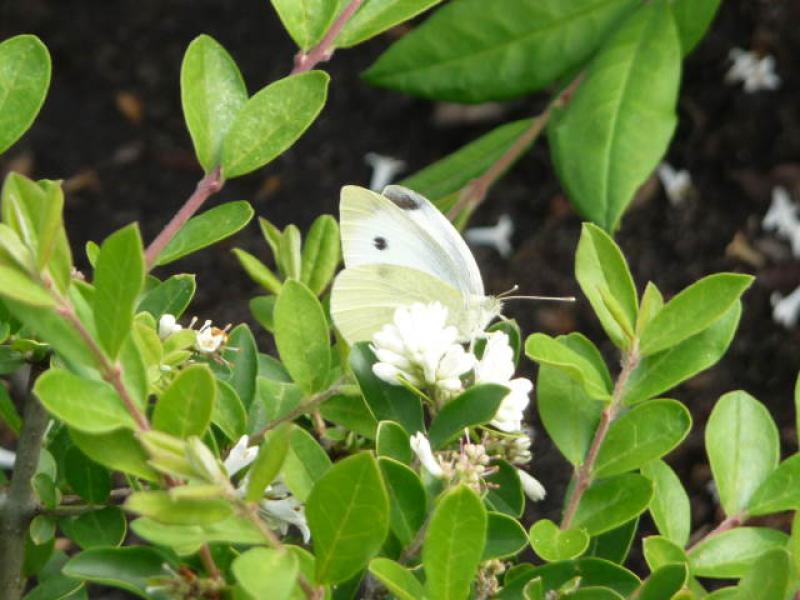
<point>542,298</point>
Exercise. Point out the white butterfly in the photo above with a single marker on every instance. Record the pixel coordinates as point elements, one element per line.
<point>398,250</point>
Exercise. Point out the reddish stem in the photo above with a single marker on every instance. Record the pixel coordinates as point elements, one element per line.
<point>731,522</point>
<point>322,52</point>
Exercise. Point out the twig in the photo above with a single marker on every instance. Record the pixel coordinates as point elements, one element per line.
<point>206,187</point>
<point>584,473</point>
<point>308,406</point>
<point>18,506</point>
<point>322,52</point>
<point>476,190</point>
<point>729,523</point>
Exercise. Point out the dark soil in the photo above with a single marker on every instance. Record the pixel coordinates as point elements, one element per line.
<point>112,128</point>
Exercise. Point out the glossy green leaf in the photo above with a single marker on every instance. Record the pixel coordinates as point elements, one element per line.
<point>104,527</point>
<point>130,568</point>
<point>692,310</point>
<point>397,579</point>
<point>593,572</point>
<point>306,20</point>
<point>321,254</point>
<point>57,587</point>
<point>228,413</point>
<point>663,583</point>
<point>649,431</point>
<point>118,450</point>
<point>187,539</point>
<point>305,464</point>
<point>618,124</point>
<point>609,503</point>
<point>290,252</point>
<point>212,94</point>
<point>266,573</point>
<point>263,309</point>
<point>743,448</point>
<point>241,355</point>
<point>505,494</point>
<point>603,274</point>
<point>505,537</point>
<point>206,229</point>
<point>185,407</point>
<point>276,399</point>
<point>454,544</point>
<point>670,506</point>
<point>41,529</point>
<point>18,286</point>
<point>24,78</point>
<point>84,404</point>
<point>350,412</point>
<point>170,296</point>
<point>163,507</point>
<point>86,478</point>
<point>556,352</point>
<point>664,370</point>
<point>465,53</point>
<point>552,543</point>
<point>693,18</point>
<point>407,499</point>
<point>272,121</point>
<point>659,551</point>
<point>376,16</point>
<point>780,491</point>
<point>733,552</point>
<point>394,442</point>
<point>8,412</point>
<point>477,406</point>
<point>593,593</point>
<point>348,514</point>
<point>118,279</point>
<point>268,462</point>
<point>768,578</point>
<point>302,336</point>
<point>614,545</point>
<point>258,272</point>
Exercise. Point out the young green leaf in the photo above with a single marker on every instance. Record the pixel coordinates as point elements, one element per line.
<point>477,406</point>
<point>670,506</point>
<point>348,514</point>
<point>393,441</point>
<point>306,20</point>
<point>780,491</point>
<point>258,271</point>
<point>24,79</point>
<point>66,396</point>
<point>768,578</point>
<point>302,336</point>
<point>266,573</point>
<point>272,121</point>
<point>373,18</point>
<point>693,17</point>
<point>206,229</point>
<point>465,53</point>
<point>187,539</point>
<point>290,254</point>
<point>659,551</point>
<point>161,506</point>
<point>407,499</point>
<point>42,529</point>
<point>743,448</point>
<point>105,527</point>
<point>454,544</point>
<point>321,254</point>
<point>618,124</point>
<point>170,296</point>
<point>185,407</point>
<point>693,310</point>
<point>268,462</point>
<point>652,303</point>
<point>16,285</point>
<point>130,568</point>
<point>118,450</point>
<point>609,503</point>
<point>305,464</point>
<point>118,279</point>
<point>732,553</point>
<point>647,432</point>
<point>552,543</point>
<point>397,579</point>
<point>601,271</point>
<point>212,94</point>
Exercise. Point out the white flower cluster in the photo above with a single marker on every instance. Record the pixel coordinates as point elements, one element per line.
<point>755,72</point>
<point>783,218</point>
<point>209,339</point>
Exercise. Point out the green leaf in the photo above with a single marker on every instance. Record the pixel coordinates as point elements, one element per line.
<point>272,121</point>
<point>660,372</point>
<point>454,544</point>
<point>305,464</point>
<point>350,412</point>
<point>348,514</point>
<point>18,286</point>
<point>163,507</point>
<point>663,583</point>
<point>170,296</point>
<point>387,402</point>
<point>229,413</point>
<point>321,254</point>
<point>780,491</point>
<point>768,578</point>
<point>594,593</point>
<point>743,448</point>
<point>104,527</point>
<point>84,404</point>
<point>609,503</point>
<point>647,432</point>
<point>205,229</point>
<point>279,566</point>
<point>376,16</point>
<point>659,551</point>
<point>86,478</point>
<point>118,450</point>
<point>185,407</point>
<point>241,354</point>
<point>397,579</point>
<point>693,17</point>
<point>477,406</point>
<point>302,336</point>
<point>306,20</point>
<point>290,254</point>
<point>618,124</point>
<point>614,545</point>
<point>505,537</point>
<point>42,529</point>
<point>670,506</point>
<point>258,272</point>
<point>692,310</point>
<point>187,539</point>
<point>212,94</point>
<point>407,499</point>
<point>593,572</point>
<point>8,412</point>
<point>57,587</point>
<point>263,309</point>
<point>465,53</point>
<point>24,79</point>
<point>118,279</point>
<point>130,568</point>
<point>393,441</point>
<point>602,272</point>
<point>556,352</point>
<point>505,494</point>
<point>733,552</point>
<point>552,543</point>
<point>268,462</point>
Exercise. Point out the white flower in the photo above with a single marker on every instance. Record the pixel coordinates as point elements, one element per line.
<point>497,366</point>
<point>384,170</point>
<point>782,218</point>
<point>240,456</point>
<point>167,325</point>
<point>531,486</point>
<point>756,73</point>
<point>520,450</point>
<point>786,311</point>
<point>497,237</point>
<point>7,459</point>
<point>420,347</point>
<point>677,184</point>
<point>209,338</point>
<point>284,512</point>
<point>422,448</point>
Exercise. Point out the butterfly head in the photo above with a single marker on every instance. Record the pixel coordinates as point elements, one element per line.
<point>481,311</point>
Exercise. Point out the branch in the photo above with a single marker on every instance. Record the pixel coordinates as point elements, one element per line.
<point>18,506</point>
<point>322,52</point>
<point>729,523</point>
<point>309,405</point>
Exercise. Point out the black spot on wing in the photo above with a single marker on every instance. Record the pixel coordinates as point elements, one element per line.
<point>380,243</point>
<point>401,198</point>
